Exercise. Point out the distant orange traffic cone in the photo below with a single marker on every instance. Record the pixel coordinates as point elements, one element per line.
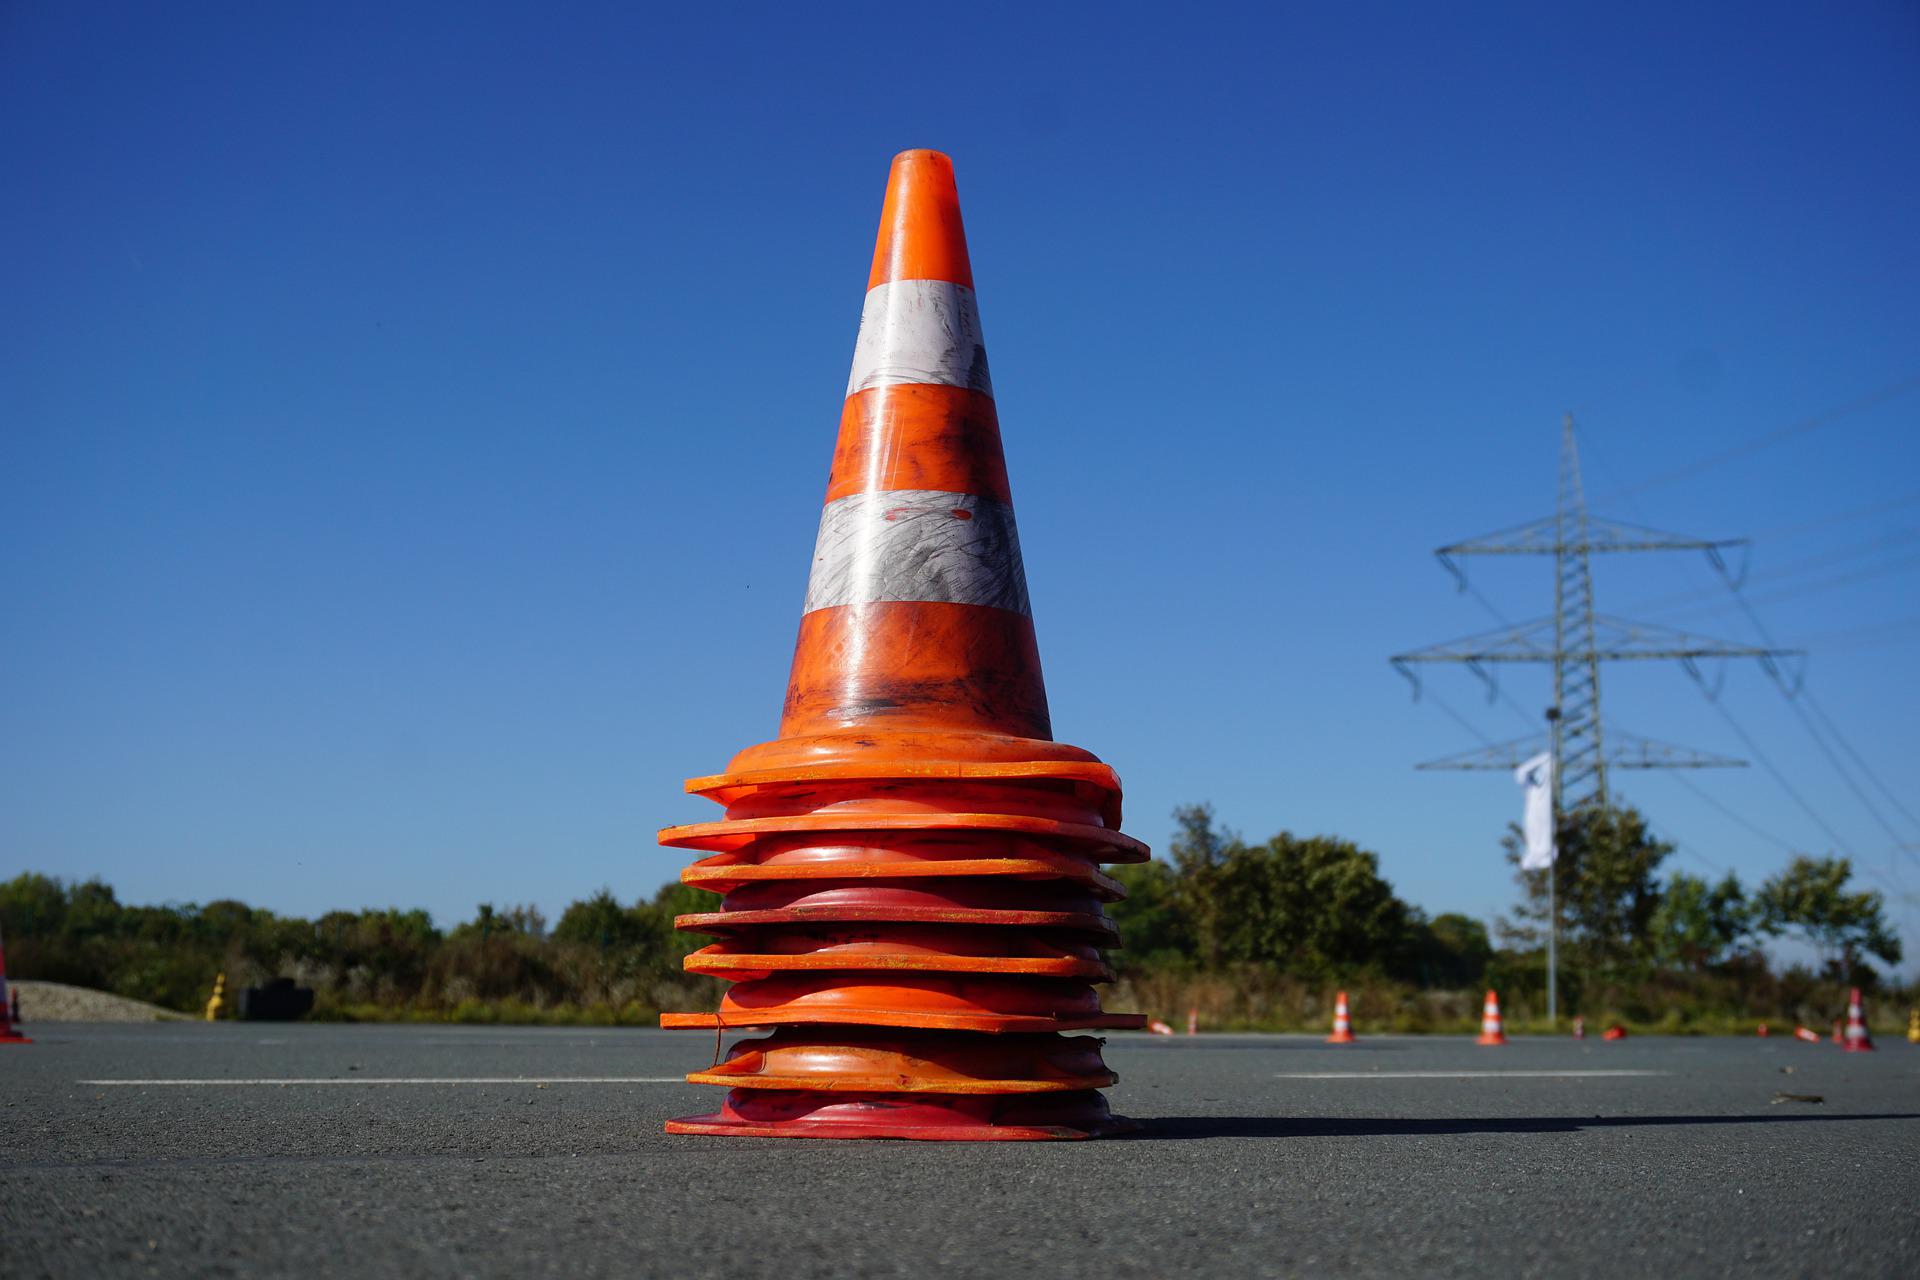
<point>1762,1032</point>
<point>1614,1032</point>
<point>1579,1027</point>
<point>1807,1034</point>
<point>1492,1031</point>
<point>1158,1028</point>
<point>9,1005</point>
<point>912,869</point>
<point>1858,1041</point>
<point>1193,1021</point>
<point>1839,1032</point>
<point>1342,1023</point>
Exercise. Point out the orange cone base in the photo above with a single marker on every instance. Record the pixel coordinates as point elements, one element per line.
<point>760,1113</point>
<point>755,953</point>
<point>1858,1046</point>
<point>1343,1037</point>
<point>1487,1039</point>
<point>13,1037</point>
<point>839,1060</point>
<point>896,1018</point>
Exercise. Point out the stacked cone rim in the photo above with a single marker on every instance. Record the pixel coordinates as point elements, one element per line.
<point>911,872</point>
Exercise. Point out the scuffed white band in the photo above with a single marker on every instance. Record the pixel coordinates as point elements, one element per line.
<point>919,331</point>
<point>917,544</point>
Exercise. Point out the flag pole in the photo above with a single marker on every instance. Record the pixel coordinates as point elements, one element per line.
<point>1553,912</point>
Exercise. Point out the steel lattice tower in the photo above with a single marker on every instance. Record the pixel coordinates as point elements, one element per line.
<point>1575,639</point>
<point>1582,766</point>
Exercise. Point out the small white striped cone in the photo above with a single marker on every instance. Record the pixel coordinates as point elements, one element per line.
<point>1858,1041</point>
<point>1342,1022</point>
<point>1492,1031</point>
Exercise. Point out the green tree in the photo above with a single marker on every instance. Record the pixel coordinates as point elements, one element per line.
<point>673,900</point>
<point>1200,853</point>
<point>602,922</point>
<point>1697,924</point>
<point>1810,899</point>
<point>1315,905</point>
<point>1153,929</point>
<point>1605,888</point>
<point>1451,950</point>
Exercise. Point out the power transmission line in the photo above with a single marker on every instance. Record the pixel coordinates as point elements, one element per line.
<point>1872,400</point>
<point>1854,513</point>
<point>1858,759</point>
<point>1857,637</point>
<point>1767,763</point>
<point>1791,569</point>
<point>1575,639</point>
<point>1731,813</point>
<point>1459,719</point>
<point>1907,565</point>
<point>1794,696</point>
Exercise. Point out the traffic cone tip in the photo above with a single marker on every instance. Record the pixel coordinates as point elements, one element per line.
<point>921,234</point>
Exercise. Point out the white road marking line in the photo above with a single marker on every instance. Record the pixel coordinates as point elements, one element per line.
<point>1454,1075</point>
<point>404,1080</point>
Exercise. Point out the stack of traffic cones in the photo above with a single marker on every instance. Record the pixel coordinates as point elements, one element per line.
<point>913,893</point>
<point>1342,1024</point>
<point>9,1005</point>
<point>1857,1039</point>
<point>1492,1030</point>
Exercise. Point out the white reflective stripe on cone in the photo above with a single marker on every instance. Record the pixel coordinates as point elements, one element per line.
<point>920,331</point>
<point>917,545</point>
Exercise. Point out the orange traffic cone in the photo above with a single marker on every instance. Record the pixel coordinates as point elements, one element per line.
<point>1763,1033</point>
<point>1579,1027</point>
<point>1614,1032</point>
<point>1807,1034</point>
<point>1193,1021</point>
<point>1158,1028</point>
<point>913,893</point>
<point>9,1006</point>
<point>1492,1031</point>
<point>1858,1041</point>
<point>1342,1024</point>
<point>1839,1032</point>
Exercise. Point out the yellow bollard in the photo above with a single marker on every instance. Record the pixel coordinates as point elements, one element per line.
<point>1913,1026</point>
<point>219,1001</point>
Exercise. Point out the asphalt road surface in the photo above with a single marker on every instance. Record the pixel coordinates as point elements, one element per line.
<point>510,1151</point>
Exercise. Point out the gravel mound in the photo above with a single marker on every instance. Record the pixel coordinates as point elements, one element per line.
<point>58,1002</point>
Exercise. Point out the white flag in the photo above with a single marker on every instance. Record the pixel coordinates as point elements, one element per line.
<point>1536,775</point>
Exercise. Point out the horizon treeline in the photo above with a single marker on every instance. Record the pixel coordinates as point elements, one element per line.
<point>1249,935</point>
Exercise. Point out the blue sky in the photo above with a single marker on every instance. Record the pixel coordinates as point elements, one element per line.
<point>413,421</point>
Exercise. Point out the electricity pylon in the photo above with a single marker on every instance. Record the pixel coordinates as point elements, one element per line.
<point>1576,639</point>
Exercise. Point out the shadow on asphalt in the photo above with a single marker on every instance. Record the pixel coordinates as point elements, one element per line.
<point>1305,1127</point>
